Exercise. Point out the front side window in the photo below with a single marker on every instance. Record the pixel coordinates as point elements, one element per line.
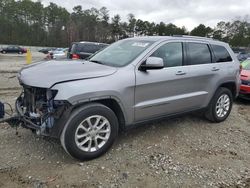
<point>221,54</point>
<point>198,53</point>
<point>171,53</point>
<point>121,53</point>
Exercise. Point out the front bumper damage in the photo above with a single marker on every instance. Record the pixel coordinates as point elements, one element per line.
<point>37,110</point>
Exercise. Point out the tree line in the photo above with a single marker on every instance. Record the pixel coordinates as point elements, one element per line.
<point>25,22</point>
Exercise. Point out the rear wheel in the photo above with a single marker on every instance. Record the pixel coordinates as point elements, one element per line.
<point>90,132</point>
<point>220,106</point>
<point>4,52</point>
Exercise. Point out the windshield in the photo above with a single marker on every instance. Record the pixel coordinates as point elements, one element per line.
<point>246,65</point>
<point>121,53</point>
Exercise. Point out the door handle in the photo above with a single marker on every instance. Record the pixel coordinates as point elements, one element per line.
<point>180,73</point>
<point>215,69</point>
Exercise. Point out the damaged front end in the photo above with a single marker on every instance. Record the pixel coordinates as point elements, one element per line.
<point>37,110</point>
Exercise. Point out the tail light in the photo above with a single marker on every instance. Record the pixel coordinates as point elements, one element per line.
<point>75,56</point>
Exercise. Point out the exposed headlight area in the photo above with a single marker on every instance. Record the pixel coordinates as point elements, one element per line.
<point>37,105</point>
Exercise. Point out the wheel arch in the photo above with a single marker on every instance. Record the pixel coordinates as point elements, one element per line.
<point>111,103</point>
<point>231,86</point>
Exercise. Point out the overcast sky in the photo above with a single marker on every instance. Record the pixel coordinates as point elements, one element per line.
<point>188,13</point>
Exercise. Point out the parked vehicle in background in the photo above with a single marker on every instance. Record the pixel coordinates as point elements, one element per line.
<point>59,53</point>
<point>46,50</point>
<point>245,80</point>
<point>243,56</point>
<point>13,49</point>
<point>82,50</point>
<point>133,81</point>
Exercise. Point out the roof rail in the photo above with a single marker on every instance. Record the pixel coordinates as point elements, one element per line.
<point>194,37</point>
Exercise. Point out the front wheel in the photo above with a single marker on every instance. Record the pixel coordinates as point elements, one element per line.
<point>220,105</point>
<point>90,132</point>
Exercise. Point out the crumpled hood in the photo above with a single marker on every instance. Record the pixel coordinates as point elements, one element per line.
<point>48,73</point>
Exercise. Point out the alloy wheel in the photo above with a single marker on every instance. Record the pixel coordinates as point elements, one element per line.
<point>222,106</point>
<point>92,133</point>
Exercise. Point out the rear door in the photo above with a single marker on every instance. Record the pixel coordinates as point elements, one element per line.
<point>224,61</point>
<point>203,73</point>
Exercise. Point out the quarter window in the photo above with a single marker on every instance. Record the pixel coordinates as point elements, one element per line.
<point>198,54</point>
<point>221,54</point>
<point>171,53</point>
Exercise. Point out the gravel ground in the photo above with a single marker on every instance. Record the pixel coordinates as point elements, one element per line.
<point>182,152</point>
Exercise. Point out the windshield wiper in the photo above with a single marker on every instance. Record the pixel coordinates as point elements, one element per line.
<point>95,61</point>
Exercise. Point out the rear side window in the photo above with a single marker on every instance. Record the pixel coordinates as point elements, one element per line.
<point>198,53</point>
<point>96,48</point>
<point>88,48</point>
<point>221,54</point>
<point>81,48</point>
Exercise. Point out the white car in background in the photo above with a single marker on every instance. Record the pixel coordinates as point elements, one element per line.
<point>59,53</point>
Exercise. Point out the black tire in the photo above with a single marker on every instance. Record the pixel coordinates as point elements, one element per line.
<point>20,52</point>
<point>79,115</point>
<point>211,113</point>
<point>4,52</point>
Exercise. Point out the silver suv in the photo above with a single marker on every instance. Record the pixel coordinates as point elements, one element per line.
<point>136,80</point>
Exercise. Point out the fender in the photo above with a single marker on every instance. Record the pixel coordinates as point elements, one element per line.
<point>60,123</point>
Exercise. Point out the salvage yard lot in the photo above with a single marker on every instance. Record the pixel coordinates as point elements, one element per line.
<point>187,151</point>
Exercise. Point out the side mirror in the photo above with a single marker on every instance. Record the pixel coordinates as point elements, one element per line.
<point>152,63</point>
